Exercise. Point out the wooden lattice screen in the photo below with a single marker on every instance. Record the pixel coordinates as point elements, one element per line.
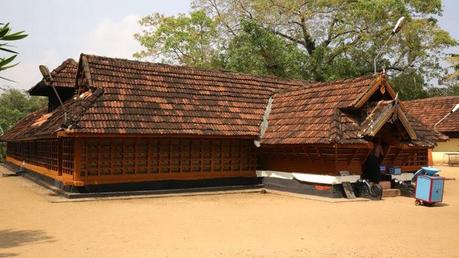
<point>44,153</point>
<point>328,160</point>
<point>406,157</point>
<point>134,156</point>
<point>68,151</point>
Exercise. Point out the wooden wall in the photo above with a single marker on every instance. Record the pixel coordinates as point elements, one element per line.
<point>316,159</point>
<point>53,154</point>
<point>53,158</point>
<point>409,159</point>
<point>83,161</point>
<point>115,160</point>
<point>329,160</point>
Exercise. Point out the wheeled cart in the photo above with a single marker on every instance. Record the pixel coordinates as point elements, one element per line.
<point>429,187</point>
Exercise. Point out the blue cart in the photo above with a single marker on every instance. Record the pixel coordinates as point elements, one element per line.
<point>429,186</point>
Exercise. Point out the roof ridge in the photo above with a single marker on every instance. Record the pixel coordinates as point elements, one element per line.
<point>211,70</point>
<point>294,88</point>
<point>85,103</point>
<point>433,98</point>
<point>64,65</point>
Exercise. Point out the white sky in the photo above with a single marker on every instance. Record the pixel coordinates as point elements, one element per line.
<point>61,29</point>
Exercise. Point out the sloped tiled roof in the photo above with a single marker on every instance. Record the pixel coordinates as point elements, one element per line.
<point>140,98</point>
<point>148,98</point>
<point>44,124</point>
<point>307,114</point>
<point>317,114</point>
<point>63,76</point>
<point>431,110</point>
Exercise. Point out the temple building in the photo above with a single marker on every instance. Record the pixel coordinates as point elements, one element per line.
<point>131,124</point>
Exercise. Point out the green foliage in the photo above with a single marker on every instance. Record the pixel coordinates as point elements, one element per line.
<point>454,61</point>
<point>313,40</point>
<point>14,105</point>
<point>7,35</point>
<point>269,54</point>
<point>187,40</point>
<point>409,85</point>
<point>450,84</point>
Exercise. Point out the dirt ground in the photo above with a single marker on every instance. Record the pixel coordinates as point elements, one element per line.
<point>230,225</point>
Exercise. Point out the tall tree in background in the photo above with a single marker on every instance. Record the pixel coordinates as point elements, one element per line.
<point>256,50</point>
<point>317,40</point>
<point>454,60</point>
<point>6,35</point>
<point>188,40</point>
<point>341,37</point>
<point>14,105</point>
<point>452,80</point>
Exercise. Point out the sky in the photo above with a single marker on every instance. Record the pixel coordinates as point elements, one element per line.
<point>60,29</point>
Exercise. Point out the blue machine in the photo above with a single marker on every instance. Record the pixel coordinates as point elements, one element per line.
<point>429,186</point>
<point>395,170</point>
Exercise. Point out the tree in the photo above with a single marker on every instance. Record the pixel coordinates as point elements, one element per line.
<point>7,35</point>
<point>319,40</point>
<point>14,105</point>
<point>269,54</point>
<point>334,32</point>
<point>410,85</point>
<point>451,81</point>
<point>185,39</point>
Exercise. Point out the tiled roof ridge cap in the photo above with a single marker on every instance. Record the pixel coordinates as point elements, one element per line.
<point>55,71</point>
<point>432,98</point>
<point>86,102</point>
<point>336,131</point>
<point>294,82</point>
<point>64,65</point>
<point>321,84</point>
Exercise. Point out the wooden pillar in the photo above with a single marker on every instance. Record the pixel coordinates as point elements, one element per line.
<point>149,158</point>
<point>77,160</point>
<point>336,159</point>
<point>429,157</point>
<point>60,150</point>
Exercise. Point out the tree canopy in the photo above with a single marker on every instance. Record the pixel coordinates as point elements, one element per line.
<point>15,105</point>
<point>319,40</point>
<point>185,39</point>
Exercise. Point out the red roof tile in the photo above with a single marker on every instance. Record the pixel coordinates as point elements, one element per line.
<point>317,113</point>
<point>431,110</point>
<point>131,97</point>
<point>306,114</point>
<point>63,76</point>
<point>148,98</point>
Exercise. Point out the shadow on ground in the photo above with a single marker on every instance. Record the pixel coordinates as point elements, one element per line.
<point>12,238</point>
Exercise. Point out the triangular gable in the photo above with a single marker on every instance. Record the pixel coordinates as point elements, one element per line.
<point>63,79</point>
<point>382,113</point>
<point>84,81</point>
<point>381,84</point>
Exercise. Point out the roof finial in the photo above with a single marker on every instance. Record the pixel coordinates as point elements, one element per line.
<point>45,72</point>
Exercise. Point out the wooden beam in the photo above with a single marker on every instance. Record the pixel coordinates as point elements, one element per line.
<point>374,86</point>
<point>77,160</point>
<point>352,156</point>
<point>406,124</point>
<point>59,156</point>
<point>130,135</point>
<point>112,156</point>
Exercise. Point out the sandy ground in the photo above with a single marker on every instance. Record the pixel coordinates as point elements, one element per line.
<point>231,225</point>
